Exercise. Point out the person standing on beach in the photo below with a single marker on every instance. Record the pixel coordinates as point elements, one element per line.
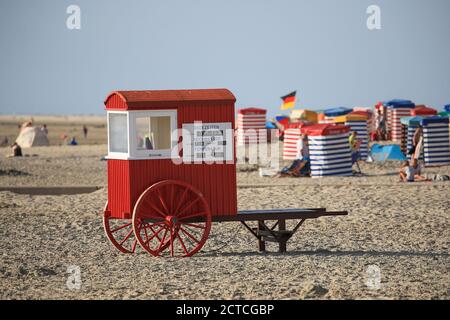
<point>44,129</point>
<point>383,128</point>
<point>85,131</point>
<point>378,126</point>
<point>354,145</point>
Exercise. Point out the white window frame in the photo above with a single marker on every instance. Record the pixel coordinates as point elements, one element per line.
<point>135,154</point>
<point>118,155</point>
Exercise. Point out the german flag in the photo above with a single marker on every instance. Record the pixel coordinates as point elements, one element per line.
<point>288,101</point>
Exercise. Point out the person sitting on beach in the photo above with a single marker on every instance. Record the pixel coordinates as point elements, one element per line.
<point>411,171</point>
<point>16,151</point>
<point>406,172</point>
<point>73,142</point>
<point>417,170</point>
<point>303,167</point>
<point>300,167</point>
<point>419,177</point>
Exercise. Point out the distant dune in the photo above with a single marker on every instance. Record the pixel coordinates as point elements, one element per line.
<point>71,125</point>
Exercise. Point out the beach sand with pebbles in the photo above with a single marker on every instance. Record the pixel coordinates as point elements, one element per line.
<point>402,230</point>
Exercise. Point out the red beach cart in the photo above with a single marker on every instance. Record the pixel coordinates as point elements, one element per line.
<point>172,172</point>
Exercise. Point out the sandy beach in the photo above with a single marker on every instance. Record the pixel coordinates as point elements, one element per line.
<point>401,229</point>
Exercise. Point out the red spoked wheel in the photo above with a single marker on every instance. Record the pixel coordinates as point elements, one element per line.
<point>171,218</point>
<point>119,232</point>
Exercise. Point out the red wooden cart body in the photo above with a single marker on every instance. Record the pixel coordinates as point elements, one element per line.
<point>128,179</point>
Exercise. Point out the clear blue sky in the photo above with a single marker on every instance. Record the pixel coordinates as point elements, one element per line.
<point>259,49</point>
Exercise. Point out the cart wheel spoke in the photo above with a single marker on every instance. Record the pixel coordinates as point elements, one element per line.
<point>154,232</point>
<point>182,243</point>
<point>154,224</point>
<point>171,241</point>
<point>189,206</point>
<point>192,215</point>
<point>193,231</point>
<point>145,231</point>
<point>127,237</point>
<point>171,202</point>
<point>162,202</point>
<point>193,225</point>
<point>181,201</point>
<point>121,227</point>
<point>174,233</point>
<point>161,243</point>
<point>189,235</point>
<point>158,211</point>
<point>118,232</point>
<point>155,235</point>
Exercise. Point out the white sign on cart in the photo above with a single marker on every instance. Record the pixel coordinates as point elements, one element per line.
<point>207,142</point>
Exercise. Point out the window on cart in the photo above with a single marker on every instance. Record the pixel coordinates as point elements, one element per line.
<point>153,133</point>
<point>142,134</point>
<point>118,133</point>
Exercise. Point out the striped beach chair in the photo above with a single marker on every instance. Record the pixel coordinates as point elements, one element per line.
<point>251,126</point>
<point>436,145</point>
<point>329,150</point>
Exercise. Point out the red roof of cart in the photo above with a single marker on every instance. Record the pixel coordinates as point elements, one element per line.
<point>142,99</point>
